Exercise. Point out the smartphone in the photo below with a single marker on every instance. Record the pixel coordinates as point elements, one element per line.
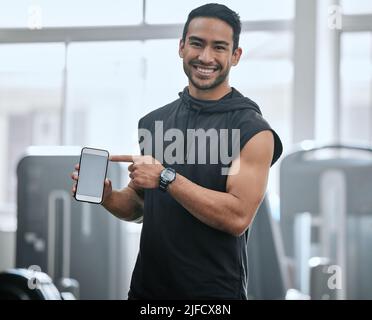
<point>92,175</point>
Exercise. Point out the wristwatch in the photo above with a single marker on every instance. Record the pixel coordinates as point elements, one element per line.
<point>167,176</point>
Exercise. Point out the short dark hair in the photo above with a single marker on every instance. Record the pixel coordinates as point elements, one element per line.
<point>219,11</point>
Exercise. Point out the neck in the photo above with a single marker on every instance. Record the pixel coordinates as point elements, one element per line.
<point>209,94</point>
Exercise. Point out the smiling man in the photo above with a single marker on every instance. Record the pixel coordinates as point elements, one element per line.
<point>195,215</point>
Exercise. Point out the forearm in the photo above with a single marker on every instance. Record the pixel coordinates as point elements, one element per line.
<point>219,210</point>
<point>125,204</point>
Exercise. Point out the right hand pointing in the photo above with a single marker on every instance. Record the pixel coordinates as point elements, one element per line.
<point>107,191</point>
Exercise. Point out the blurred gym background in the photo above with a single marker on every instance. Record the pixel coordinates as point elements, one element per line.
<point>81,73</point>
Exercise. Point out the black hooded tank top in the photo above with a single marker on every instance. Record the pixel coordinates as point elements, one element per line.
<point>180,257</point>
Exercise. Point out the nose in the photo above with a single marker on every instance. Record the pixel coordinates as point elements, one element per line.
<point>206,55</point>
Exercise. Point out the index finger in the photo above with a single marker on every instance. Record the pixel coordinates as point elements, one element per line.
<point>122,158</point>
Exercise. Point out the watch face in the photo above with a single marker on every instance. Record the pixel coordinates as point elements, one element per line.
<point>168,175</point>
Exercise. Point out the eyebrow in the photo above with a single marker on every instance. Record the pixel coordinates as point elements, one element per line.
<point>194,38</point>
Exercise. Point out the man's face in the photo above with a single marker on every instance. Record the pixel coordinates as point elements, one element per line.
<point>208,52</point>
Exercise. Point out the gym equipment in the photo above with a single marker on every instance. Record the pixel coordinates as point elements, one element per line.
<point>8,227</point>
<point>267,273</point>
<point>319,278</point>
<point>68,239</point>
<point>24,284</point>
<point>326,211</point>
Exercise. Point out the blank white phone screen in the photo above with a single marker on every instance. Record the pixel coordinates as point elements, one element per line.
<point>91,175</point>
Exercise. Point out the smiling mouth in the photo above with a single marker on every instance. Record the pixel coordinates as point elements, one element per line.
<point>205,71</point>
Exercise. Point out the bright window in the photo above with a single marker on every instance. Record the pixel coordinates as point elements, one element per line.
<point>356,87</point>
<point>356,6</point>
<point>169,11</point>
<point>67,13</point>
<point>105,95</point>
<point>30,105</point>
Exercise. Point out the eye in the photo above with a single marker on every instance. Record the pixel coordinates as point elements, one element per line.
<point>220,48</point>
<point>195,44</point>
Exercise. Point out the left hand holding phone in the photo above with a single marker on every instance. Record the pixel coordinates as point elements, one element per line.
<point>107,191</point>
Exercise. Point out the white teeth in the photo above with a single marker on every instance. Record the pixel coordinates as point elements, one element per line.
<point>204,70</point>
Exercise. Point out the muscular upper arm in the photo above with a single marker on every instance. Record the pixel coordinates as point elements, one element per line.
<point>251,169</point>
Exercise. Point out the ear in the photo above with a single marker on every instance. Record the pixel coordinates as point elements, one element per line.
<point>236,56</point>
<point>180,48</point>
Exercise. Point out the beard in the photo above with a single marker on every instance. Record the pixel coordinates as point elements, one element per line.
<point>204,84</point>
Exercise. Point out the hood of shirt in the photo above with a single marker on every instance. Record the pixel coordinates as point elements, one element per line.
<point>232,101</point>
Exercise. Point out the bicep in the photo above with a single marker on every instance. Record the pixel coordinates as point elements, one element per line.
<point>249,172</point>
